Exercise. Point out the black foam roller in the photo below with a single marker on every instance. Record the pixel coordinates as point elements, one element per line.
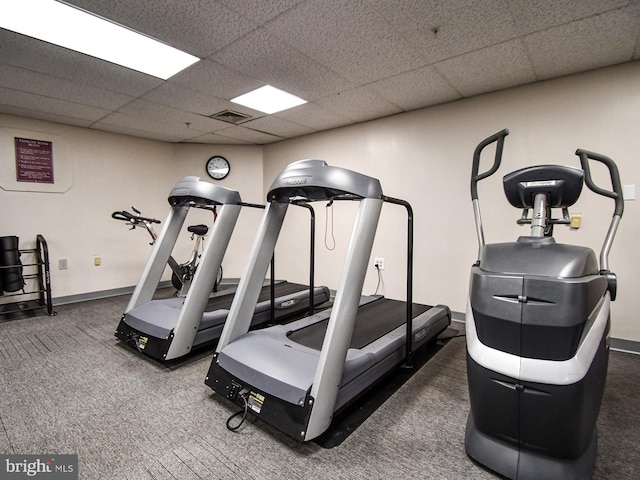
<point>11,272</point>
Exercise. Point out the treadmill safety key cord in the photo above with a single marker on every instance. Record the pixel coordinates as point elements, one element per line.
<point>243,394</point>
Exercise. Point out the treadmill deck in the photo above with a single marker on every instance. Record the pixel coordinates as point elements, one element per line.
<point>372,322</point>
<point>158,318</point>
<point>263,358</point>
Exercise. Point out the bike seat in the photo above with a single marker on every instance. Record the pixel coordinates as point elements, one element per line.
<point>198,229</point>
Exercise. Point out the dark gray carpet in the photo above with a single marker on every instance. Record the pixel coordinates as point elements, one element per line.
<point>68,386</point>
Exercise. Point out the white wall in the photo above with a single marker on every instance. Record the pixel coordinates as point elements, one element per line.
<point>110,172</point>
<point>113,172</point>
<point>425,157</point>
<point>245,176</point>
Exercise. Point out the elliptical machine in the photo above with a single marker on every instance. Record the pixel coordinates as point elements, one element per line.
<point>537,328</point>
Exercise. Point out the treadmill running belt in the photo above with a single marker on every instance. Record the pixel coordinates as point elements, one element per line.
<point>374,320</point>
<point>281,289</point>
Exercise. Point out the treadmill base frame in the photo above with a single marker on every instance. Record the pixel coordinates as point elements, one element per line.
<point>293,419</point>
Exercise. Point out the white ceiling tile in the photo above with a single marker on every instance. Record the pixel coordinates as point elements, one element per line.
<point>62,89</point>
<point>492,68</point>
<point>354,60</point>
<point>135,130</point>
<point>314,116</point>
<point>587,44</point>
<point>157,114</point>
<point>28,53</point>
<point>213,78</point>
<point>462,26</point>
<point>268,59</point>
<point>251,136</point>
<point>278,126</point>
<point>215,139</point>
<point>175,128</point>
<point>260,11</point>
<point>416,89</point>
<point>42,115</point>
<point>359,104</point>
<point>348,37</point>
<point>63,108</point>
<point>199,28</point>
<point>187,100</point>
<point>536,15</point>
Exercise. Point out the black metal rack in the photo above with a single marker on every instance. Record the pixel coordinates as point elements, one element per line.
<point>37,269</point>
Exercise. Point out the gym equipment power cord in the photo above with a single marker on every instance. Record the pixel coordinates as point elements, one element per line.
<point>380,280</point>
<point>242,412</point>
<point>326,227</point>
<point>458,335</point>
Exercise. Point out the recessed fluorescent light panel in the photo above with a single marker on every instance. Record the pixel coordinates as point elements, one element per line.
<point>78,30</point>
<point>268,99</point>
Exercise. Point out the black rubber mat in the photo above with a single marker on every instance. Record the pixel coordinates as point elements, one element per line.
<point>374,320</point>
<point>281,289</point>
<point>350,418</point>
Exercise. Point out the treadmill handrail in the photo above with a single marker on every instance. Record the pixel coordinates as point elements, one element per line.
<point>300,181</point>
<point>312,254</point>
<point>311,257</point>
<point>409,315</point>
<point>312,251</point>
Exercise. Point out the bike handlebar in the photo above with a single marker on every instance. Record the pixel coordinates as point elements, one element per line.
<point>475,177</point>
<point>125,216</point>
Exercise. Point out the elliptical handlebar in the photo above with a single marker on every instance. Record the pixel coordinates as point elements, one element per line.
<point>616,185</point>
<point>475,176</point>
<point>616,194</point>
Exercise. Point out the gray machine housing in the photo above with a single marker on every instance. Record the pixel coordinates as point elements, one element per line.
<point>167,329</point>
<point>555,322</point>
<point>289,384</point>
<point>537,329</point>
<point>183,323</point>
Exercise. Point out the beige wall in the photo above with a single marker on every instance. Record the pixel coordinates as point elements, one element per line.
<point>425,157</point>
<point>110,172</point>
<point>113,172</point>
<point>245,176</point>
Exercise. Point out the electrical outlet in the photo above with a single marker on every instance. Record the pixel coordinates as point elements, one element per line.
<point>378,262</point>
<point>62,264</point>
<point>576,220</point>
<point>629,192</point>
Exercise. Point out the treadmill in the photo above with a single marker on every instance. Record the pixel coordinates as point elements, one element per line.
<point>296,377</point>
<point>167,329</point>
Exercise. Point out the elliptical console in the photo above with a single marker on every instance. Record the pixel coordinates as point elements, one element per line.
<point>537,328</point>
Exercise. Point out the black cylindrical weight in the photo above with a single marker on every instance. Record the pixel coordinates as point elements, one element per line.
<point>11,271</point>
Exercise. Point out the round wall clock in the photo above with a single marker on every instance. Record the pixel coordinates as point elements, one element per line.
<point>218,167</point>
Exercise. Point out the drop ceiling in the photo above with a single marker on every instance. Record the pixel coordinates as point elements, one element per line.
<point>353,60</point>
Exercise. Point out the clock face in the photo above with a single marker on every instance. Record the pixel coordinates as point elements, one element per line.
<point>218,167</point>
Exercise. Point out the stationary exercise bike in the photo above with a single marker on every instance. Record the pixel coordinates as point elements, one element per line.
<point>537,328</point>
<point>182,274</point>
